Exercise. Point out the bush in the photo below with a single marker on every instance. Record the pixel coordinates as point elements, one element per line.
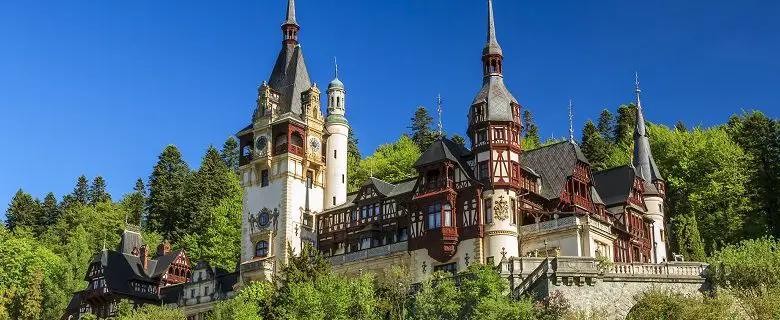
<point>656,305</point>
<point>749,265</point>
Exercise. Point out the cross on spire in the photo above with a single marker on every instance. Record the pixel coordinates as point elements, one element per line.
<point>636,90</point>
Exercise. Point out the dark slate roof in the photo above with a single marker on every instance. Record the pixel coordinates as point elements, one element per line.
<point>383,187</point>
<point>445,149</point>
<point>614,184</point>
<point>290,78</point>
<point>643,157</point>
<point>554,163</point>
<point>171,294</point>
<point>249,126</point>
<point>595,196</point>
<point>497,98</point>
<point>226,282</point>
<point>164,262</point>
<point>491,45</point>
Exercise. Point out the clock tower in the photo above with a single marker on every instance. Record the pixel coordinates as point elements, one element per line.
<point>282,164</point>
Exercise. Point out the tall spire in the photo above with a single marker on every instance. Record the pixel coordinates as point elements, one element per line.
<point>571,123</point>
<point>336,64</point>
<point>438,110</point>
<point>290,27</point>
<point>643,161</point>
<point>492,55</point>
<point>290,12</point>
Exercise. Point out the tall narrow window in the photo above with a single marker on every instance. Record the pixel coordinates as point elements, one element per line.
<point>334,154</point>
<point>264,178</point>
<point>309,179</point>
<point>513,218</point>
<point>342,178</point>
<point>434,216</point>
<point>334,201</point>
<point>448,215</point>
<point>483,170</point>
<point>261,249</point>
<point>488,211</point>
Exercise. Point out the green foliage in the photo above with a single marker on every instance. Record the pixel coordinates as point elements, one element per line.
<point>251,303</point>
<point>606,125</point>
<point>229,153</point>
<point>759,136</point>
<point>624,126</point>
<point>97,192</point>
<point>23,211</point>
<point>749,265</point>
<point>50,211</point>
<point>531,131</point>
<point>390,162</point>
<point>422,135</point>
<point>458,139</point>
<point>392,288</point>
<point>218,242</point>
<point>438,299</point>
<point>167,204</point>
<point>152,312</point>
<point>687,236</point>
<point>595,147</point>
<point>760,304</point>
<point>654,305</point>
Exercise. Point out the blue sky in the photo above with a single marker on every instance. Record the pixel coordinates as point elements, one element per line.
<point>100,87</point>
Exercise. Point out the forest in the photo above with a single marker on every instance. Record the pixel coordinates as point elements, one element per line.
<point>723,207</point>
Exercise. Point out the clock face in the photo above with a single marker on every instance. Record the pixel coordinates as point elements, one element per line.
<point>263,219</point>
<point>314,143</point>
<point>261,143</point>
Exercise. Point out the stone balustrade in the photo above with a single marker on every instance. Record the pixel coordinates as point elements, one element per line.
<point>549,225</point>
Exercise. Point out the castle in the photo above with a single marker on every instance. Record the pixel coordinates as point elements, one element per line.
<point>543,217</point>
<point>483,205</point>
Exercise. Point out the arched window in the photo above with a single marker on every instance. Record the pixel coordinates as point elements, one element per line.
<point>296,139</point>
<point>261,249</point>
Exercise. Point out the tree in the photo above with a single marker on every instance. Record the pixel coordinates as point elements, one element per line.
<point>135,203</point>
<point>459,140</point>
<point>594,146</point>
<point>152,312</point>
<point>606,125</point>
<point>390,162</point>
<point>23,211</point>
<point>686,234</point>
<point>624,128</point>
<point>421,128</point>
<point>748,265</point>
<point>50,210</point>
<point>80,193</point>
<point>229,153</point>
<point>680,126</point>
<point>253,302</point>
<point>759,136</point>
<point>531,130</point>
<point>219,241</point>
<point>97,192</point>
<point>483,295</point>
<point>353,160</point>
<point>438,299</point>
<point>166,203</point>
<point>32,304</point>
<point>392,289</point>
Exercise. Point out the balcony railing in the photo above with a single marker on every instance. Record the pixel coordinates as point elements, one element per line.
<point>549,225</point>
<point>433,186</point>
<point>287,147</point>
<point>370,253</point>
<point>259,264</point>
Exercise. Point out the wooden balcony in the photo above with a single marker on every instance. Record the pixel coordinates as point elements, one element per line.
<point>433,187</point>
<point>288,148</point>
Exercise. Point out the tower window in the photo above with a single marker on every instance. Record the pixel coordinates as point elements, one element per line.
<point>264,178</point>
<point>488,211</point>
<point>261,248</point>
<point>334,201</point>
<point>483,170</point>
<point>309,179</point>
<point>334,154</point>
<point>342,178</point>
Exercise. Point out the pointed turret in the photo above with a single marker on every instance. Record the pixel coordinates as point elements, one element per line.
<point>493,102</point>
<point>643,161</point>
<point>290,27</point>
<point>290,77</point>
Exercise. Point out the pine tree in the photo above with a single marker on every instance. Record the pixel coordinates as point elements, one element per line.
<point>166,193</point>
<point>352,146</point>
<point>458,139</point>
<point>80,194</point>
<point>50,210</point>
<point>688,239</point>
<point>23,211</point>
<point>421,128</point>
<point>212,184</point>
<point>680,126</point>
<point>606,124</point>
<point>135,203</point>
<point>531,130</point>
<point>594,146</point>
<point>229,153</point>
<point>97,192</point>
<point>624,127</point>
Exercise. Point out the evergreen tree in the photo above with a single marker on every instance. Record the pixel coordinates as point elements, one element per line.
<point>759,136</point>
<point>229,153</point>
<point>81,191</point>
<point>204,191</point>
<point>166,203</point>
<point>353,162</point>
<point>50,210</point>
<point>624,128</point>
<point>135,203</point>
<point>97,192</point>
<point>459,140</point>
<point>31,306</point>
<point>352,146</point>
<point>23,211</point>
<point>421,128</point>
<point>688,239</point>
<point>594,146</point>
<point>531,130</point>
<point>680,126</point>
<point>606,125</point>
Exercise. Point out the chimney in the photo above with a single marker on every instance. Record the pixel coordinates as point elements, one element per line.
<point>144,255</point>
<point>163,248</point>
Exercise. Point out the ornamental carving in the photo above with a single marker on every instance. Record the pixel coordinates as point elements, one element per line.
<point>501,209</point>
<point>264,220</point>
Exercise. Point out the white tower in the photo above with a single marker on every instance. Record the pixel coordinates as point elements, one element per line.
<point>337,131</point>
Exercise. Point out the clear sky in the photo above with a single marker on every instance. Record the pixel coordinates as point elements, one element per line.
<point>100,87</point>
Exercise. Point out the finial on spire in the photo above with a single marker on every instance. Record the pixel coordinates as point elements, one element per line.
<point>290,12</point>
<point>336,63</point>
<point>571,123</point>
<point>438,110</point>
<point>636,90</point>
<point>491,46</point>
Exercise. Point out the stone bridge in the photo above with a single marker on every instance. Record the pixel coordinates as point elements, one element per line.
<point>589,287</point>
